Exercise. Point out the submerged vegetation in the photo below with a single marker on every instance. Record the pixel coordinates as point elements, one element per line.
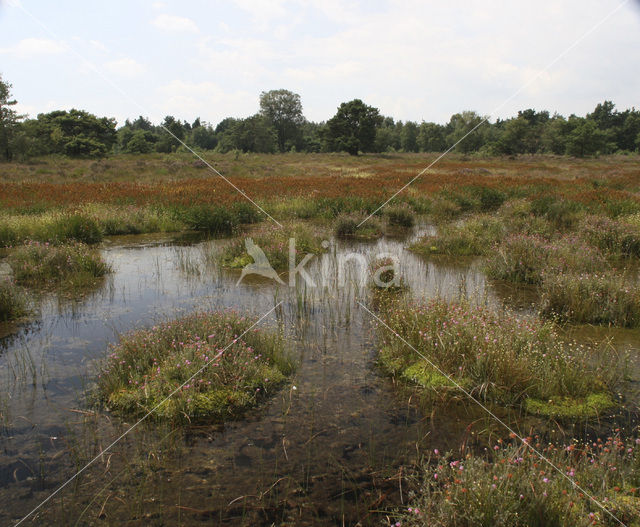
<point>496,357</point>
<point>233,365</point>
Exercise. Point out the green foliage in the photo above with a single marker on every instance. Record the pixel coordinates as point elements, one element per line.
<point>476,235</point>
<point>529,258</point>
<point>235,368</point>
<point>43,264</point>
<point>209,218</point>
<point>353,128</point>
<point>496,356</point>
<point>283,109</point>
<point>590,298</point>
<point>8,121</point>
<point>13,304</point>
<point>400,216</point>
<point>349,226</point>
<point>509,486</point>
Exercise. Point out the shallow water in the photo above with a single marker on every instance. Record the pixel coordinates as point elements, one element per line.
<point>327,449</point>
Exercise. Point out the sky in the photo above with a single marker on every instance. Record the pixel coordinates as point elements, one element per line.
<point>413,59</point>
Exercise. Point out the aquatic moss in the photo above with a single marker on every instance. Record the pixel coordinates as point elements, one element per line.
<point>592,405</point>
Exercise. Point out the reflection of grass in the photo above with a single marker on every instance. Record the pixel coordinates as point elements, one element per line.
<point>13,304</point>
<point>147,365</point>
<point>510,485</point>
<point>497,357</point>
<point>67,265</point>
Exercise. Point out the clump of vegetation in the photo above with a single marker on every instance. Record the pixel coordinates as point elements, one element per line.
<point>593,298</point>
<point>13,303</point>
<point>474,236</point>
<point>274,243</point>
<point>210,218</point>
<point>348,226</point>
<point>615,237</point>
<point>53,227</point>
<point>400,216</point>
<point>44,264</point>
<point>510,486</point>
<point>241,365</point>
<point>523,258</point>
<point>496,357</point>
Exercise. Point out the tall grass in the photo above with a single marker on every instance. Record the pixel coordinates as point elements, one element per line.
<point>524,258</point>
<point>591,298</point>
<point>147,365</point>
<point>274,242</point>
<point>43,264</point>
<point>348,226</point>
<point>495,356</point>
<point>615,237</point>
<point>510,486</point>
<point>13,303</point>
<point>400,216</point>
<point>473,236</point>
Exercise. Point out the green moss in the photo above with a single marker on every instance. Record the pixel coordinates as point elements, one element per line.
<point>589,406</point>
<point>424,375</point>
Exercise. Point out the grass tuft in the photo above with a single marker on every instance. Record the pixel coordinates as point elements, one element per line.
<point>148,365</point>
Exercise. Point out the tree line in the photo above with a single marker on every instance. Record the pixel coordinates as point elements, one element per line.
<point>280,126</point>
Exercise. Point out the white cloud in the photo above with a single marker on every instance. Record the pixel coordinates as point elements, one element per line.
<point>33,47</point>
<point>125,67</point>
<point>175,23</point>
<point>188,100</point>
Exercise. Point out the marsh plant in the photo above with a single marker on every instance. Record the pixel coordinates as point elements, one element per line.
<point>355,226</point>
<point>496,357</point>
<point>44,264</point>
<point>235,365</point>
<point>13,303</point>
<point>525,258</point>
<point>592,298</point>
<point>509,485</point>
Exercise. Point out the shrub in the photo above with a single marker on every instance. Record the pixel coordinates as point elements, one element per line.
<point>41,264</point>
<point>246,212</point>
<point>400,216</point>
<point>491,198</point>
<point>604,298</point>
<point>495,356</point>
<point>510,486</point>
<point>241,366</point>
<point>12,301</point>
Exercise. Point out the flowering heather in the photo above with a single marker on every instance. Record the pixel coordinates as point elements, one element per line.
<point>146,366</point>
<point>70,264</point>
<point>495,356</point>
<point>510,486</point>
<point>527,258</point>
<point>592,298</point>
